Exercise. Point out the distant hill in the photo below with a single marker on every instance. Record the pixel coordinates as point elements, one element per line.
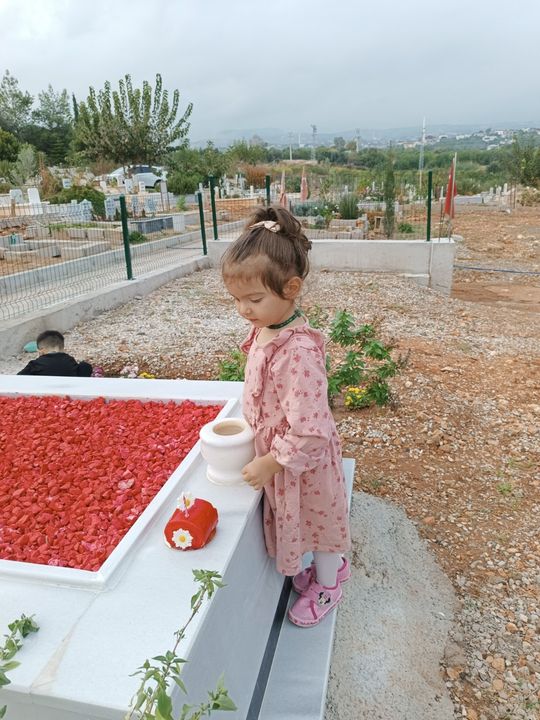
<point>369,136</point>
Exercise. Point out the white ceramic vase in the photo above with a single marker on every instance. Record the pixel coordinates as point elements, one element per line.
<point>227,445</point>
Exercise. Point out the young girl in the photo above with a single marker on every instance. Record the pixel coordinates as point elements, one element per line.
<point>298,457</point>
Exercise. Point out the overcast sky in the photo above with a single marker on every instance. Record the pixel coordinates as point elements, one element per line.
<point>339,64</point>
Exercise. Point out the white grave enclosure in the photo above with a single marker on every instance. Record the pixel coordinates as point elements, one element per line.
<point>98,628</point>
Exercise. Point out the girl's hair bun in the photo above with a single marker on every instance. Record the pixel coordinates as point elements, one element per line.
<point>273,233</point>
<point>288,224</point>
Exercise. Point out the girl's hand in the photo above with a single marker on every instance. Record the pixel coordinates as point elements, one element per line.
<point>261,471</point>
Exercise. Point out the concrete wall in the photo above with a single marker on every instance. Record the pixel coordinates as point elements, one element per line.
<point>429,264</point>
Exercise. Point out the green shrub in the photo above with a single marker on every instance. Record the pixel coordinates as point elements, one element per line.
<point>365,368</point>
<point>136,237</point>
<point>303,209</point>
<point>233,366</point>
<point>181,203</point>
<point>82,192</point>
<point>406,228</point>
<point>530,197</point>
<point>181,183</point>
<point>348,207</point>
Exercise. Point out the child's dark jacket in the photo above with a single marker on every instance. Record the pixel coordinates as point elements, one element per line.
<point>57,363</point>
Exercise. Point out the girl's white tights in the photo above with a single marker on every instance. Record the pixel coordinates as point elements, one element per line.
<point>327,565</point>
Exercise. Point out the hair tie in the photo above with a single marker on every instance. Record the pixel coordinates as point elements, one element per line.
<point>271,225</point>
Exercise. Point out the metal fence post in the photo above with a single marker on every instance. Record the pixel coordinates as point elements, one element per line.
<point>201,217</point>
<point>267,182</point>
<point>125,235</point>
<point>429,193</point>
<point>213,204</point>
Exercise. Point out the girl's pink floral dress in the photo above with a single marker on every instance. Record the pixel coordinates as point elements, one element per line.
<point>285,403</point>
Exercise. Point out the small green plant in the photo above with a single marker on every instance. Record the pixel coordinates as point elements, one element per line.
<point>356,397</point>
<point>363,372</point>
<point>348,207</point>
<point>505,488</point>
<point>136,237</point>
<point>152,700</point>
<point>181,203</point>
<point>405,228</point>
<point>19,629</point>
<point>233,366</point>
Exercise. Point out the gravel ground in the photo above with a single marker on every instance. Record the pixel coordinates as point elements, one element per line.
<point>459,450</point>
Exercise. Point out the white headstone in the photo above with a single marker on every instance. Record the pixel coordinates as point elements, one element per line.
<point>33,196</point>
<point>66,183</point>
<point>103,184</point>
<point>110,208</point>
<point>142,187</point>
<point>165,204</point>
<point>135,205</point>
<point>505,188</point>
<point>16,195</point>
<point>150,205</point>
<point>129,185</point>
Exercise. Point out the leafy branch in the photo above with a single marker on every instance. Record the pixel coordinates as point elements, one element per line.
<point>153,699</point>
<point>19,629</point>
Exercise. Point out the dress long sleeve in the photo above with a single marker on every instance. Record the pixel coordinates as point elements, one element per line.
<point>299,376</point>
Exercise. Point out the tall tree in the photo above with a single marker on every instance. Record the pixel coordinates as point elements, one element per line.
<point>188,167</point>
<point>51,129</point>
<point>389,196</point>
<point>15,105</point>
<point>9,146</point>
<point>25,168</point>
<point>130,125</point>
<point>53,110</point>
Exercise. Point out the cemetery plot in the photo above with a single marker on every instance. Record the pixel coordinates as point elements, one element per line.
<point>76,474</point>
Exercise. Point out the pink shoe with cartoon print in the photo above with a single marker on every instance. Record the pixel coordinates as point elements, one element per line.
<point>302,579</point>
<point>314,604</point>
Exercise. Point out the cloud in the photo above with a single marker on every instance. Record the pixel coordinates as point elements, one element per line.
<point>339,65</point>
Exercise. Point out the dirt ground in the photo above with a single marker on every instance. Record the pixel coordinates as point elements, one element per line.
<point>473,484</point>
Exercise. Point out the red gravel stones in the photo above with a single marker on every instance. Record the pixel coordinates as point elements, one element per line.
<point>76,474</point>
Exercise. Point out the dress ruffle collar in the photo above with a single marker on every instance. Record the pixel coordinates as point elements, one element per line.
<point>282,338</point>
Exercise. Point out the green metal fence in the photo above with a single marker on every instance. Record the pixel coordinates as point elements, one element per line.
<point>50,254</point>
<point>54,253</point>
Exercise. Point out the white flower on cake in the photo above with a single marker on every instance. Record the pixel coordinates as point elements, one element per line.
<point>185,501</point>
<point>182,538</point>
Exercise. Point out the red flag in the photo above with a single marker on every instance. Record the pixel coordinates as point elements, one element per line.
<point>451,191</point>
<point>304,190</point>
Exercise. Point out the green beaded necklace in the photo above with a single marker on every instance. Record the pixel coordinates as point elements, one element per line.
<point>296,314</point>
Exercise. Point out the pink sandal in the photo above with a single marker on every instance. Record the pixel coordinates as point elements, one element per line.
<point>302,579</point>
<point>314,604</point>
